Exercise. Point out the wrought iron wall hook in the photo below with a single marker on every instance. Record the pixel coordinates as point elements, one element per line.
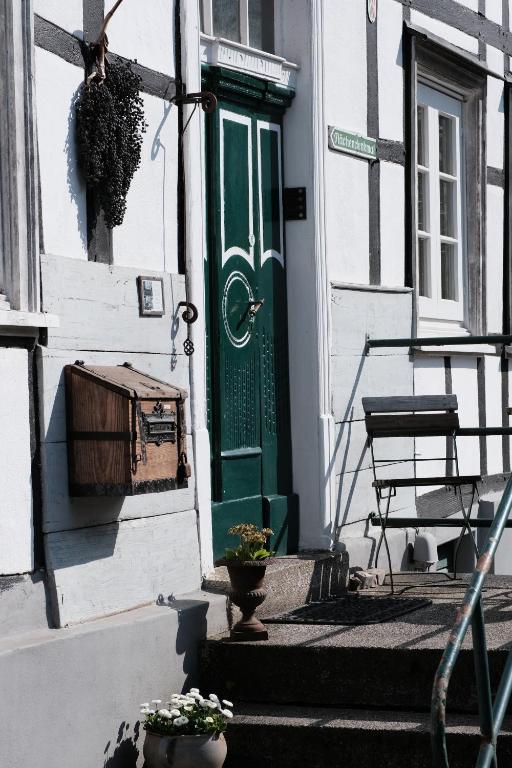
<point>206,99</point>
<point>190,314</point>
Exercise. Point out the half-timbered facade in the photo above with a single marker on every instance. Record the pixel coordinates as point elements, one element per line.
<point>353,181</point>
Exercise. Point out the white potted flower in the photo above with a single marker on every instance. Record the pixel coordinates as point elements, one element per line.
<point>188,732</point>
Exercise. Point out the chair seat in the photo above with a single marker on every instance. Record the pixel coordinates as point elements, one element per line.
<point>409,482</point>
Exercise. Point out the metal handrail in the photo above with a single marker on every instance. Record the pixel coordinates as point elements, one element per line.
<point>438,341</point>
<point>491,716</point>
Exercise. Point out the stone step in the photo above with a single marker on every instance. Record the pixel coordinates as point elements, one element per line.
<point>292,580</point>
<point>308,737</point>
<point>388,665</point>
<point>337,676</point>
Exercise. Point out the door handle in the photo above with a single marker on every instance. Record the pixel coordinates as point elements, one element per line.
<point>254,307</point>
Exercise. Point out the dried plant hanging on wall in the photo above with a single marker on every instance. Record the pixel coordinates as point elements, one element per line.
<point>109,130</point>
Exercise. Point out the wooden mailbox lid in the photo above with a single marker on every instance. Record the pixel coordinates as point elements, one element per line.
<point>128,381</point>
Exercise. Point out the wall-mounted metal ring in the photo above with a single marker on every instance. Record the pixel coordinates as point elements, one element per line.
<point>190,314</point>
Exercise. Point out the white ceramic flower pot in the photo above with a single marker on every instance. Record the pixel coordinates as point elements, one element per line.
<point>205,751</point>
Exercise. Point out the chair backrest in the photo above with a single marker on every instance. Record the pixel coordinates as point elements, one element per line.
<point>414,416</point>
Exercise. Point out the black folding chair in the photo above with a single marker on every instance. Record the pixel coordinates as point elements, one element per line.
<point>416,416</point>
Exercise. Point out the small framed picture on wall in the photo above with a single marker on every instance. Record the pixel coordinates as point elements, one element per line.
<point>151,296</point>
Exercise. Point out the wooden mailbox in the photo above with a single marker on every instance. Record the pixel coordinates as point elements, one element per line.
<point>126,432</point>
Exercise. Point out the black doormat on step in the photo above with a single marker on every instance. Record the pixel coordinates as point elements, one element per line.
<point>351,610</point>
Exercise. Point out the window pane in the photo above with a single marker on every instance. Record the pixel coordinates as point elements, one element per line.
<point>422,159</point>
<point>422,201</point>
<point>446,164</point>
<point>449,271</point>
<point>226,19</point>
<point>201,14</point>
<point>424,267</point>
<point>447,207</point>
<point>261,25</point>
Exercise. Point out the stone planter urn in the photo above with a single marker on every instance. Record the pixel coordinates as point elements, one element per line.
<point>202,751</point>
<point>247,592</point>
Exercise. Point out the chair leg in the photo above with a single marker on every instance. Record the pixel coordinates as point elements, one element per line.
<point>383,521</point>
<point>466,528</point>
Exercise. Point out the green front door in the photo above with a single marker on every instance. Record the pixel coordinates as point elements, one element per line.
<point>249,411</point>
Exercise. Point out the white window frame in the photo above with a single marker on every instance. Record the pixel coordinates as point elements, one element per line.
<point>19,203</point>
<point>433,309</point>
<point>207,8</point>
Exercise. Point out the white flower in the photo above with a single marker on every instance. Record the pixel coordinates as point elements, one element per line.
<point>213,697</point>
<point>145,711</point>
<point>146,704</point>
<point>180,721</point>
<point>188,708</point>
<point>205,704</point>
<point>227,703</point>
<point>165,714</point>
<point>194,690</point>
<point>208,719</point>
<point>175,713</point>
<point>156,701</point>
<point>150,712</point>
<point>211,704</point>
<point>227,713</point>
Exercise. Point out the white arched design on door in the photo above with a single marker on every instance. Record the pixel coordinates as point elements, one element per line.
<point>236,250</point>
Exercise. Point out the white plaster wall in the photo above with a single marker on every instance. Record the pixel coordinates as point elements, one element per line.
<point>293,28</point>
<point>494,259</point>
<point>495,122</point>
<point>63,199</point>
<point>15,475</point>
<point>147,237</point>
<point>345,64</point>
<point>495,59</point>
<point>493,413</point>
<point>465,386</point>
<point>445,31</point>
<point>429,379</point>
<point>392,245</point>
<point>391,95</point>
<point>347,215</point>
<point>109,568</point>
<point>67,14</point>
<point>493,10</point>
<point>145,32</point>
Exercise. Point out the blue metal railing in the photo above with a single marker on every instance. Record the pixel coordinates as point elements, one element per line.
<point>471,613</point>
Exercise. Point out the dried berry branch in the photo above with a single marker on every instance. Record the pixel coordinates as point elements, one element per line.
<point>101,47</point>
<point>109,130</point>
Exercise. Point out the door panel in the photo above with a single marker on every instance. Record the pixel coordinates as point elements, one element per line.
<point>248,352</point>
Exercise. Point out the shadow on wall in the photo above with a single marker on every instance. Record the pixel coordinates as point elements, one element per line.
<point>157,148</point>
<point>76,185</point>
<point>192,630</point>
<point>346,425</point>
<point>126,751</point>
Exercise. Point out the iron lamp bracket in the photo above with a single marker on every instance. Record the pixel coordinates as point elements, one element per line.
<point>206,99</point>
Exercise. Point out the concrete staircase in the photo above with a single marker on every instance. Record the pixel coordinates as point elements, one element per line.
<point>358,697</point>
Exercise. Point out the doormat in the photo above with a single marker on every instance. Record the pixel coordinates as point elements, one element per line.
<point>351,610</point>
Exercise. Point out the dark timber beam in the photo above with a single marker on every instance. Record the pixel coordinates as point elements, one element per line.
<point>465,20</point>
<point>52,38</point>
<point>495,176</point>
<point>372,121</point>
